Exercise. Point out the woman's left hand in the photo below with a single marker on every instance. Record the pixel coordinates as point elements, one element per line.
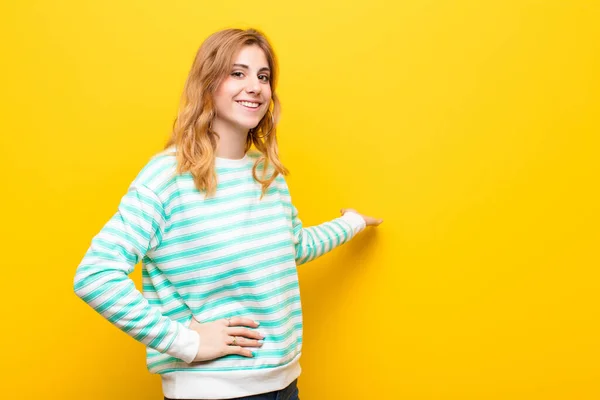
<point>369,220</point>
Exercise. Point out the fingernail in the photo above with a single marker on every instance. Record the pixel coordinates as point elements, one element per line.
<point>261,342</point>
<point>257,323</point>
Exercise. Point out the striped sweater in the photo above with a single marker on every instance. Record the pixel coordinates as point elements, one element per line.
<point>208,258</point>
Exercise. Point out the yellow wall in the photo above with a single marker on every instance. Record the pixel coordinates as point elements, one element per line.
<point>471,127</point>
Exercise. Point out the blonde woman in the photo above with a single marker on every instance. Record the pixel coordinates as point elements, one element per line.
<point>212,221</point>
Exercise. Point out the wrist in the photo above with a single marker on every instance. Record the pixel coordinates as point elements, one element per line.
<point>356,220</point>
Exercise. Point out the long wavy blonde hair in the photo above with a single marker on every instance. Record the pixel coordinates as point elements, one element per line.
<point>192,135</point>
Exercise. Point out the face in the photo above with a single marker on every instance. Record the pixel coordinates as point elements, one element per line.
<point>244,96</point>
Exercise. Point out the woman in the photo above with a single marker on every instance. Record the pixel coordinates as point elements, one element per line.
<point>218,237</point>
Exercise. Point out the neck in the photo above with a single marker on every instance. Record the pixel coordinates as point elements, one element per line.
<point>231,143</point>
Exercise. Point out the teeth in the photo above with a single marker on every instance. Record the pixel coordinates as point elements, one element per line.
<point>249,104</point>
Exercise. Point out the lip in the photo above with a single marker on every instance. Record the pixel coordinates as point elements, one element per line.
<point>249,108</point>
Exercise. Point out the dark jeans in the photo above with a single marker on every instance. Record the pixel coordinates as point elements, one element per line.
<point>288,393</point>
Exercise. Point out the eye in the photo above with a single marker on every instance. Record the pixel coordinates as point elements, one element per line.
<point>264,78</point>
<point>237,74</point>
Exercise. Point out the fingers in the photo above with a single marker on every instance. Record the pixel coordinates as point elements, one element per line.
<point>373,221</point>
<point>239,351</point>
<point>248,333</point>
<point>244,342</point>
<point>227,336</point>
<point>238,344</point>
<point>240,321</point>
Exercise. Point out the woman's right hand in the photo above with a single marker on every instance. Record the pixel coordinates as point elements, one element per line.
<point>226,336</point>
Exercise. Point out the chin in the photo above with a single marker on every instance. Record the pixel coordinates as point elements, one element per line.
<point>246,125</point>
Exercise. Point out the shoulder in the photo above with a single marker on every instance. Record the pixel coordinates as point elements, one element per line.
<point>158,171</point>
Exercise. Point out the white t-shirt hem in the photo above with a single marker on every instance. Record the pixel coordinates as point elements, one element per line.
<point>198,384</point>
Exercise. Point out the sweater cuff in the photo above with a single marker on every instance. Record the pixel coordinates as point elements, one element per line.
<point>356,221</point>
<point>185,346</point>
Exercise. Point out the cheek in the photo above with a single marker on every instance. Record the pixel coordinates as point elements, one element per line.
<point>267,92</point>
<point>225,92</point>
<point>222,103</point>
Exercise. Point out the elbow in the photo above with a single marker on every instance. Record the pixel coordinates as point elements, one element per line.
<point>78,286</point>
<point>81,281</point>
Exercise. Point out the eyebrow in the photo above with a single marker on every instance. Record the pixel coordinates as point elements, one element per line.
<point>246,67</point>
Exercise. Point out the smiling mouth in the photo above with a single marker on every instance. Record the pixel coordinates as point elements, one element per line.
<point>249,104</point>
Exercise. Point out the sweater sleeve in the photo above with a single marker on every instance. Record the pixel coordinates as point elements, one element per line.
<point>102,280</point>
<point>320,239</point>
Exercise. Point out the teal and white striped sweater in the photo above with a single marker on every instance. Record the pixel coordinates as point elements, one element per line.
<point>207,258</point>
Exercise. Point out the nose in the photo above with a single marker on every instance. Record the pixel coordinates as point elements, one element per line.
<point>253,86</point>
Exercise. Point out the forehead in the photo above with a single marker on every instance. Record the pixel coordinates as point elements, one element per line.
<point>252,56</point>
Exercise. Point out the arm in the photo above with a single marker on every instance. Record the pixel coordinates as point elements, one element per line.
<point>317,240</point>
<point>102,281</point>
